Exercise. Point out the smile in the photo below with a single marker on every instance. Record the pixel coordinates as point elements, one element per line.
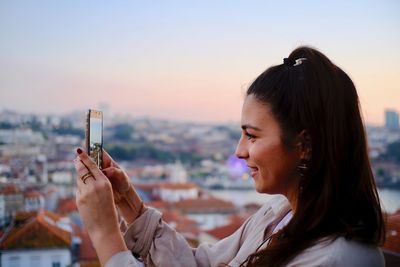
<point>253,170</point>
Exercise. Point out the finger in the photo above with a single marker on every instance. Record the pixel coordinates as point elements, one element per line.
<point>108,160</point>
<point>116,176</point>
<point>90,165</point>
<point>81,170</point>
<point>80,167</point>
<point>112,172</point>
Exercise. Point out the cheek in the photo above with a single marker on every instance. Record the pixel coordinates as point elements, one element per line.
<point>265,149</point>
<point>273,160</point>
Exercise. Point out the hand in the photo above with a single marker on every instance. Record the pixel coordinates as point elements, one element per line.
<point>94,199</point>
<point>125,197</point>
<point>117,176</point>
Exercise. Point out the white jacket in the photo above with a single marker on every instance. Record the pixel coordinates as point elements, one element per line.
<point>160,245</point>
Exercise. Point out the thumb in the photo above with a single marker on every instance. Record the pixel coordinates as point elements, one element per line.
<point>117,178</point>
<point>112,172</point>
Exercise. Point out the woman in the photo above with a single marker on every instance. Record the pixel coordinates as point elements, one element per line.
<point>303,140</point>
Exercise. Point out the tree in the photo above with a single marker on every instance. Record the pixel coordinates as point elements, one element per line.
<point>393,151</point>
<point>123,132</point>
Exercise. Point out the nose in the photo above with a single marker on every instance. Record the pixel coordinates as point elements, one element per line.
<point>241,149</point>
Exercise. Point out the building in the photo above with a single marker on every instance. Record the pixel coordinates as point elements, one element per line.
<point>3,218</point>
<point>392,119</point>
<point>214,235</point>
<point>173,192</point>
<point>391,248</point>
<point>33,201</point>
<point>40,239</point>
<point>209,212</point>
<point>13,200</point>
<point>66,206</point>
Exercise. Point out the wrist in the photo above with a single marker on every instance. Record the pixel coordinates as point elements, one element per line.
<point>130,205</point>
<point>106,245</point>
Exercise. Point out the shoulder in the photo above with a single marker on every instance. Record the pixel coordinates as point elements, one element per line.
<point>340,252</point>
<point>275,206</point>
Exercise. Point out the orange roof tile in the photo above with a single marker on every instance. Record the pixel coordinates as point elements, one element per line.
<point>146,187</point>
<point>208,205</point>
<point>38,232</point>
<point>225,230</point>
<point>51,189</point>
<point>392,241</point>
<point>178,186</point>
<point>158,204</point>
<point>23,216</point>
<point>66,206</point>
<point>32,194</point>
<point>10,189</point>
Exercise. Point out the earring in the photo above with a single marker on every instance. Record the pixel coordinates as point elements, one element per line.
<point>302,168</point>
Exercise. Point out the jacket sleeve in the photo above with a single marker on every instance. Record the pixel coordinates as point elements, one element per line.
<point>123,259</point>
<point>160,245</point>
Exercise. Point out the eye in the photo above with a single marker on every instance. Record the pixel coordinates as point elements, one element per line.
<point>249,136</point>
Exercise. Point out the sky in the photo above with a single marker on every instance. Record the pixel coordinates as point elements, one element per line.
<point>186,60</point>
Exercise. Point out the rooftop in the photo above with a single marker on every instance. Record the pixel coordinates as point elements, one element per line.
<point>225,230</point>
<point>392,242</point>
<point>205,205</point>
<point>38,231</point>
<point>66,206</point>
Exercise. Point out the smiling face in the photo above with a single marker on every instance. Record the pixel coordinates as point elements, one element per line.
<point>271,163</point>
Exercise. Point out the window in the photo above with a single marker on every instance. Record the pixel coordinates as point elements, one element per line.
<point>14,261</point>
<point>56,264</point>
<point>35,261</point>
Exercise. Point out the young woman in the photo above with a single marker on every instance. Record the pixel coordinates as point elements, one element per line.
<point>303,140</point>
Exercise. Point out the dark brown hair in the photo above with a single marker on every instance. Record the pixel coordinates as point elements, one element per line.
<point>339,196</point>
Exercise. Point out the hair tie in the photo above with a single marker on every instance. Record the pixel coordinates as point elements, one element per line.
<point>291,63</point>
<point>288,62</point>
<point>299,61</point>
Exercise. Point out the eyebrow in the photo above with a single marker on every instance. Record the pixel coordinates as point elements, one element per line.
<point>248,126</point>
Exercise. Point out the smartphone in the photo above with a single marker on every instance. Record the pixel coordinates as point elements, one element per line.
<point>94,136</point>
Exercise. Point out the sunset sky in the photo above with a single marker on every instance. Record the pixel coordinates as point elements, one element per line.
<point>186,60</point>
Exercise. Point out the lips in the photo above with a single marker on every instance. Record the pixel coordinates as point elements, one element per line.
<point>253,170</point>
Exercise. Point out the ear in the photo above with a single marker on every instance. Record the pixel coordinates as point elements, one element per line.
<point>304,144</point>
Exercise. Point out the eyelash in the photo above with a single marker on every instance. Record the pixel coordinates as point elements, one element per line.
<point>249,136</point>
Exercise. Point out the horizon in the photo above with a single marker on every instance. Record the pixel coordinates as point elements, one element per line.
<point>186,61</point>
<point>129,116</point>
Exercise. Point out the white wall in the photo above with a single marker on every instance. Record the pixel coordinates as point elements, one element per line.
<point>174,195</point>
<point>208,221</point>
<point>2,207</point>
<point>35,258</point>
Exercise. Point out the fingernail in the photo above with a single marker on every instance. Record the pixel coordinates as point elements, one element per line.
<point>78,150</point>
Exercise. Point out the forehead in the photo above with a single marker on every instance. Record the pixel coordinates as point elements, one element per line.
<point>258,114</point>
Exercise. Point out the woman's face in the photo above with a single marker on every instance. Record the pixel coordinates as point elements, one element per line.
<point>271,164</point>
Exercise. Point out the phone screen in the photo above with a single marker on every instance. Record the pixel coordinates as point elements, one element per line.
<point>94,136</point>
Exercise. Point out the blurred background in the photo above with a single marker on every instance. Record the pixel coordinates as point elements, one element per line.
<point>170,77</point>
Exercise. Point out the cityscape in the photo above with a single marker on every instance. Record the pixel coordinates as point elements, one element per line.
<point>180,69</point>
<point>186,170</point>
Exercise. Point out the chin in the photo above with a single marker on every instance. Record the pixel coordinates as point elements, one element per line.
<point>262,190</point>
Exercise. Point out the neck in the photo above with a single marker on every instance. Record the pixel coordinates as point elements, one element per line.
<point>292,197</point>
